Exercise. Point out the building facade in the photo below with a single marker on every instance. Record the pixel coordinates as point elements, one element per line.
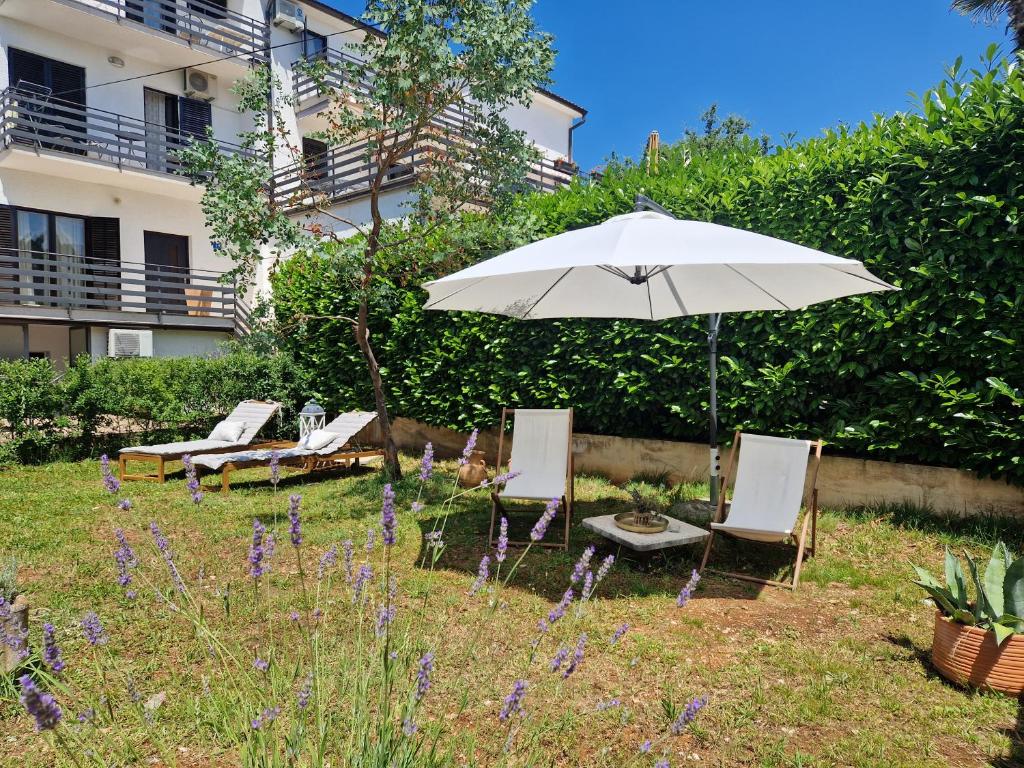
<point>103,245</point>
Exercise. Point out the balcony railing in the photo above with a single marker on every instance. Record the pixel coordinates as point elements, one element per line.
<point>36,121</point>
<point>344,172</point>
<point>41,279</point>
<point>195,22</point>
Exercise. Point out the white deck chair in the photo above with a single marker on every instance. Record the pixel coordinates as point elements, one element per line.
<point>340,452</point>
<point>252,413</point>
<point>542,452</point>
<point>767,494</point>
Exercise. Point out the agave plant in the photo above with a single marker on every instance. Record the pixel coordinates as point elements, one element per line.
<point>998,594</point>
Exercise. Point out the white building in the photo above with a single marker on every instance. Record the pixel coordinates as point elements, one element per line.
<point>103,246</point>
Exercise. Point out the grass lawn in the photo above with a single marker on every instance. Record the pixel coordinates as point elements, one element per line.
<point>835,674</point>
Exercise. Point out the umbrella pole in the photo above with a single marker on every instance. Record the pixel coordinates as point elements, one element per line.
<point>714,320</point>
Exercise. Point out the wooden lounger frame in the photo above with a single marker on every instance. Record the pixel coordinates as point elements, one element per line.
<point>799,541</point>
<point>343,458</point>
<point>161,459</point>
<point>566,499</point>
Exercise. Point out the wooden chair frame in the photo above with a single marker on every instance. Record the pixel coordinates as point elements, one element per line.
<point>343,458</point>
<point>810,516</point>
<point>566,499</point>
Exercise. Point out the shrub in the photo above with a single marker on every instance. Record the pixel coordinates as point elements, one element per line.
<point>932,374</point>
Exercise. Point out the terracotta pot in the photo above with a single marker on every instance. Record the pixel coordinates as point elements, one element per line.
<point>15,625</point>
<point>970,656</point>
<point>474,471</point>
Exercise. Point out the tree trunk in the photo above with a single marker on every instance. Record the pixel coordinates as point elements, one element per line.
<point>1016,14</point>
<point>362,333</point>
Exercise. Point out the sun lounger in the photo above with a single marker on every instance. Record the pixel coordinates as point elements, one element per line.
<point>339,452</point>
<point>251,414</point>
<point>767,494</point>
<point>542,453</point>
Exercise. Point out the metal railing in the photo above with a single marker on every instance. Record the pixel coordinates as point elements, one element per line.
<point>46,123</point>
<point>54,280</point>
<point>196,22</point>
<point>344,172</point>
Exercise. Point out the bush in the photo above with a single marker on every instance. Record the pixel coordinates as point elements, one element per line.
<point>930,202</point>
<point>93,404</point>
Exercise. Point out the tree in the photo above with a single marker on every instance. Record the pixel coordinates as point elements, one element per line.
<point>990,10</point>
<point>426,103</point>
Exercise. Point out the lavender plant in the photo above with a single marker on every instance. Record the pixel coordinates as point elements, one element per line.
<point>338,665</point>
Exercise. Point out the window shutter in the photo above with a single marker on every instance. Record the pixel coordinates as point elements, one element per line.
<point>314,157</point>
<point>214,9</point>
<point>68,82</point>
<point>26,66</point>
<point>196,116</point>
<point>8,254</point>
<point>103,246</point>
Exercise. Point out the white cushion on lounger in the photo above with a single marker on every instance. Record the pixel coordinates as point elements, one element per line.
<point>228,431</point>
<point>317,439</point>
<point>183,446</point>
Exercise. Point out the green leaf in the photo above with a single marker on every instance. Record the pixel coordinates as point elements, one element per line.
<point>955,580</point>
<point>981,606</point>
<point>1002,632</point>
<point>942,597</point>
<point>1013,588</point>
<point>995,574</point>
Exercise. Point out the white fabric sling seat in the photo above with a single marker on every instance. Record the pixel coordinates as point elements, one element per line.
<point>252,414</point>
<point>542,454</point>
<point>767,495</point>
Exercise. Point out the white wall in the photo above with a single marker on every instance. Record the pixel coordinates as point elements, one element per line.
<point>187,343</point>
<point>546,122</point>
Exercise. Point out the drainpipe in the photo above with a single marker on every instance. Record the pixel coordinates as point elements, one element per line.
<point>572,128</point>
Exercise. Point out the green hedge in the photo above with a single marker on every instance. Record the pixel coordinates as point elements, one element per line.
<point>933,374</point>
<point>91,406</point>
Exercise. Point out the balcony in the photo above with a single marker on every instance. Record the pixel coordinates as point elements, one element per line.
<point>54,287</point>
<point>47,127</point>
<point>205,26</point>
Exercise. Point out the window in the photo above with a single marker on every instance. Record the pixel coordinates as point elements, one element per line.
<point>167,263</point>
<point>50,95</point>
<point>314,45</point>
<point>314,157</point>
<point>170,122</point>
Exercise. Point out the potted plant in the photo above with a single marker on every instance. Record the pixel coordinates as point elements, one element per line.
<point>646,515</point>
<point>13,617</point>
<point>979,641</point>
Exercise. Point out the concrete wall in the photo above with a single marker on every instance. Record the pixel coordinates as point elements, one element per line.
<point>842,482</point>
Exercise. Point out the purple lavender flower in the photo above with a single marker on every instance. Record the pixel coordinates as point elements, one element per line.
<point>388,521</point>
<point>87,715</point>
<point>588,585</point>
<point>470,445</point>
<point>294,616</point>
<point>409,727</point>
<point>305,692</point>
<point>346,548</point>
<point>604,706</point>
<point>687,591</point>
<point>481,575</point>
<point>261,664</point>
<point>559,610</point>
<point>125,505</point>
<point>502,551</point>
<point>582,564</point>
<point>559,659</point>
<point>688,715</point>
<point>275,468</point>
<point>111,483</point>
<point>256,550</point>
<point>416,507</point>
<point>385,615</point>
<point>427,463</point>
<point>514,701</point>
<point>371,539</point>
<point>606,565</point>
<point>364,575</point>
<point>165,549</point>
<point>502,479</point>
<point>51,651</point>
<point>426,667</point>
<point>577,656</point>
<point>41,705</point>
<point>619,633</point>
<point>268,716</point>
<point>191,479</point>
<point>663,763</point>
<point>645,747</point>
<point>126,560</point>
<point>295,529</point>
<point>541,526</point>
<point>328,559</point>
<point>93,629</point>
<point>434,539</point>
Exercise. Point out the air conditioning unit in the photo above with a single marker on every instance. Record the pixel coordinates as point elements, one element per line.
<point>289,15</point>
<point>126,342</point>
<point>200,85</point>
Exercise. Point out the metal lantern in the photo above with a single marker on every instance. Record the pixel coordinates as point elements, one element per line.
<point>311,418</point>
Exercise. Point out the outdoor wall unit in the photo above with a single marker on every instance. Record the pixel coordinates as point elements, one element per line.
<point>128,342</point>
<point>200,85</point>
<point>289,15</point>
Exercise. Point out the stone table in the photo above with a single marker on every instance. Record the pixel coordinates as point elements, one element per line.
<point>677,534</point>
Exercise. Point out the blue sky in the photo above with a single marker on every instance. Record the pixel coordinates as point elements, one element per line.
<point>787,66</point>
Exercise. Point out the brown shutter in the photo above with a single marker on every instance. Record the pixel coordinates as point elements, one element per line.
<point>8,249</point>
<point>103,255</point>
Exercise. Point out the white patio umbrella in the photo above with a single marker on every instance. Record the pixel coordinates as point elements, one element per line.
<point>649,265</point>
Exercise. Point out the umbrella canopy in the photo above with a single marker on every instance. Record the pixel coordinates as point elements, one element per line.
<point>650,266</point>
